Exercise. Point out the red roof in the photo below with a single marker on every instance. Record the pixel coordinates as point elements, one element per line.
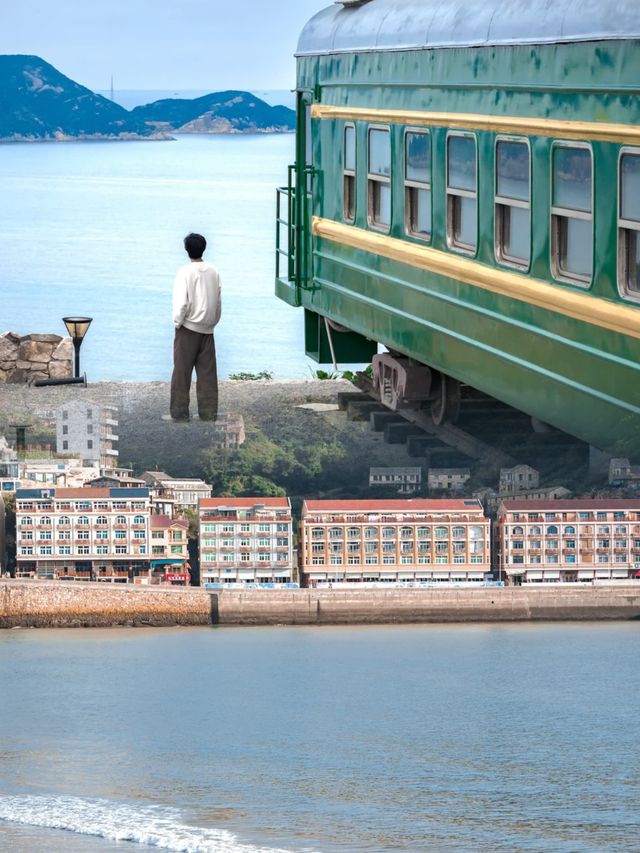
<point>398,505</point>
<point>244,503</point>
<point>163,522</point>
<point>571,504</point>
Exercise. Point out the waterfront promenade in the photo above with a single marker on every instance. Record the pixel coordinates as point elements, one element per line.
<point>63,604</point>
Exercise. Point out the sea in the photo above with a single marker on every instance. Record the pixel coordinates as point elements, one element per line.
<point>96,229</point>
<point>407,739</point>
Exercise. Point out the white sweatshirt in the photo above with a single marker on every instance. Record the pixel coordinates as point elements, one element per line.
<point>196,297</point>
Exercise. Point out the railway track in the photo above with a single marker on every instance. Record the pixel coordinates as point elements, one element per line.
<point>487,434</point>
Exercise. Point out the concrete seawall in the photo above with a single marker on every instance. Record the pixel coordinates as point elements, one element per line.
<point>50,604</point>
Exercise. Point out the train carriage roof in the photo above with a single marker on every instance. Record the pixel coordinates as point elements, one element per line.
<point>414,24</point>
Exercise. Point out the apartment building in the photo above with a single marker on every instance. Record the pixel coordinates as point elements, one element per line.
<point>170,494</point>
<point>404,480</point>
<point>169,550</point>
<point>448,479</point>
<point>245,540</point>
<point>518,479</point>
<point>82,534</point>
<point>86,429</point>
<point>568,540</point>
<point>391,541</point>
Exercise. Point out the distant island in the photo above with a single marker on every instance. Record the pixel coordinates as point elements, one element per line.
<point>37,102</point>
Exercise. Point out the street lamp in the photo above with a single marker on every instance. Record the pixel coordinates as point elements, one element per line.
<point>77,328</point>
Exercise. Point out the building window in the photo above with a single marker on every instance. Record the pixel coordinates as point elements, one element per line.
<point>462,192</point>
<point>89,444</point>
<point>629,225</point>
<point>89,414</point>
<point>65,445</point>
<point>349,173</point>
<point>417,183</point>
<point>571,209</point>
<point>65,415</point>
<point>90,429</point>
<point>65,429</point>
<point>513,203</point>
<point>379,178</point>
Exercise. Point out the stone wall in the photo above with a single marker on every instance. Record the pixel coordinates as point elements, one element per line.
<point>70,604</point>
<point>30,357</point>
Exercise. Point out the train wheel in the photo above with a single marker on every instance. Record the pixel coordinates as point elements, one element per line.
<point>445,408</point>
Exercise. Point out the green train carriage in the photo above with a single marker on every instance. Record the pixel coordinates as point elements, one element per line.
<point>467,192</point>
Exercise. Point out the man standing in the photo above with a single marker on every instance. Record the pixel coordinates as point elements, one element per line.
<point>196,310</point>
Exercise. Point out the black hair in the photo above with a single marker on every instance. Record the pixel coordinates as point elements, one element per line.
<point>195,244</point>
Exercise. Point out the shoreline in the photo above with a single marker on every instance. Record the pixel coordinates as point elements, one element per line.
<point>59,604</point>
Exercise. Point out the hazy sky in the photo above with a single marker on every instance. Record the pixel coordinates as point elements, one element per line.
<point>181,44</point>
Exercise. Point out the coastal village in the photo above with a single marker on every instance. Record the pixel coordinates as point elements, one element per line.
<point>71,512</point>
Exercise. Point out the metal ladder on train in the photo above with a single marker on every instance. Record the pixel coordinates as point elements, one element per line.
<point>293,229</point>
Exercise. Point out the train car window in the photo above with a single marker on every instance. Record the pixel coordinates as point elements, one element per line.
<point>462,195</point>
<point>379,178</point>
<point>349,184</point>
<point>629,225</point>
<point>513,203</point>
<point>417,181</point>
<point>572,217</point>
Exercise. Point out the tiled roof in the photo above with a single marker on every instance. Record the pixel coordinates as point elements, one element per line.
<point>572,504</point>
<point>244,503</point>
<point>399,505</point>
<point>163,522</point>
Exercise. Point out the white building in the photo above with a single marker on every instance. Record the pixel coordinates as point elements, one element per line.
<point>83,534</point>
<point>86,429</point>
<point>170,494</point>
<point>405,480</point>
<point>245,540</point>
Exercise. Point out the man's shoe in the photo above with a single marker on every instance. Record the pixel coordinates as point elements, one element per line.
<point>176,420</point>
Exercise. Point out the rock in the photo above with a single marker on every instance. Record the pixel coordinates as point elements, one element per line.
<point>45,339</point>
<point>3,375</point>
<point>64,350</point>
<point>37,374</point>
<point>7,365</point>
<point>35,351</point>
<point>18,377</point>
<point>23,365</point>
<point>8,347</point>
<point>60,369</point>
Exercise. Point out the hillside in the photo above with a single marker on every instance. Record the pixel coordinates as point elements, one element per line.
<point>219,112</point>
<point>38,102</point>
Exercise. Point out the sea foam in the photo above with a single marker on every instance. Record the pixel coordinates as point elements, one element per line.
<point>153,826</point>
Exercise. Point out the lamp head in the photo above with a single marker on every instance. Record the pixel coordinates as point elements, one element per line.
<point>77,326</point>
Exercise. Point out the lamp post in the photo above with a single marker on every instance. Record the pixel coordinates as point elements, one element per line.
<point>77,328</point>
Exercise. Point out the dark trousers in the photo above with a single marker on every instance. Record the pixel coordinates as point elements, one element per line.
<point>192,349</point>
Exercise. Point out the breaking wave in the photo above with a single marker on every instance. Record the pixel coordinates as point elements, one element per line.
<point>153,826</point>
